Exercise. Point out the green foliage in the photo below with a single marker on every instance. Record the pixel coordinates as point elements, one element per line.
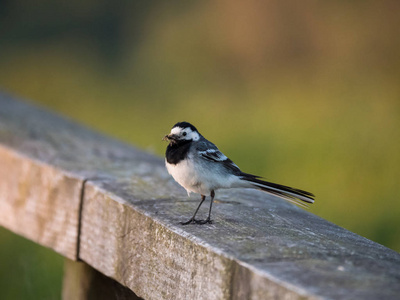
<point>28,271</point>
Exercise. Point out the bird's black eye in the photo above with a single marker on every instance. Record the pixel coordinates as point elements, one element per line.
<point>184,133</point>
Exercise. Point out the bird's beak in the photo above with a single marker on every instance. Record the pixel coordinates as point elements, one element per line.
<point>170,137</point>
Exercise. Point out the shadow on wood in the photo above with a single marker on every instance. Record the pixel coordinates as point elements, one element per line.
<point>82,282</point>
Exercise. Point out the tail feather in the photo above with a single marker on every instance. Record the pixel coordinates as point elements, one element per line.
<point>296,196</point>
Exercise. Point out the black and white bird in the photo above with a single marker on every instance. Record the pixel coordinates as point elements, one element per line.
<point>198,166</point>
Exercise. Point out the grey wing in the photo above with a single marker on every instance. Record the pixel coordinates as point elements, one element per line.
<point>211,153</point>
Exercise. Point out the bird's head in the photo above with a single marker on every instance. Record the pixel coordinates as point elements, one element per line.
<point>182,132</point>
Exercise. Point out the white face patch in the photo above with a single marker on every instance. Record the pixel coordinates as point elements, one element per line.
<point>176,130</point>
<point>185,133</point>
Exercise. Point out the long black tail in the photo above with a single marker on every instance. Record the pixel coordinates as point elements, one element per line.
<point>283,191</point>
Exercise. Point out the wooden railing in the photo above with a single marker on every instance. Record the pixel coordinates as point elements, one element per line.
<point>113,212</point>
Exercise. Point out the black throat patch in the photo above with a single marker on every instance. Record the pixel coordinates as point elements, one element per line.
<point>177,152</point>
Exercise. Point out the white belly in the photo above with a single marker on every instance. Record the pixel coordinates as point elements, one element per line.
<point>187,176</point>
<point>200,180</point>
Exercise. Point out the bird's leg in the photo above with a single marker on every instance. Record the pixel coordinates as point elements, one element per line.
<point>208,220</point>
<point>192,219</point>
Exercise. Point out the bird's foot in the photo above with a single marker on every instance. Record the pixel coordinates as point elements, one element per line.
<point>192,220</point>
<point>200,222</point>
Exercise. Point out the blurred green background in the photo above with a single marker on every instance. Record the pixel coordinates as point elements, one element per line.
<point>310,89</point>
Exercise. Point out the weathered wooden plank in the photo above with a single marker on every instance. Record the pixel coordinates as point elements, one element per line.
<point>160,260</point>
<point>39,199</point>
<point>39,202</point>
<point>44,160</point>
<point>258,247</point>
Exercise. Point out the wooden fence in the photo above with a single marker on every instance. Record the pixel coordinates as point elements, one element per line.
<point>113,212</point>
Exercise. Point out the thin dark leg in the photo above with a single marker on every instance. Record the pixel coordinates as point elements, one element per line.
<point>208,220</point>
<point>192,219</point>
<point>212,200</point>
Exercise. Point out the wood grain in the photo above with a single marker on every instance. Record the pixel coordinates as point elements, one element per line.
<point>39,202</point>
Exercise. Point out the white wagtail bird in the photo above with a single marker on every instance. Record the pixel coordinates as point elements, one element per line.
<point>198,166</point>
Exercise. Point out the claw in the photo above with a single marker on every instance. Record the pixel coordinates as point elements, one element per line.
<point>200,222</point>
<point>189,222</point>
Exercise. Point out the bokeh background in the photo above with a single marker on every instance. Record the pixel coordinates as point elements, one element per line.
<point>304,93</point>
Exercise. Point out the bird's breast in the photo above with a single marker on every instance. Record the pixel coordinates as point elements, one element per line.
<point>185,174</point>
